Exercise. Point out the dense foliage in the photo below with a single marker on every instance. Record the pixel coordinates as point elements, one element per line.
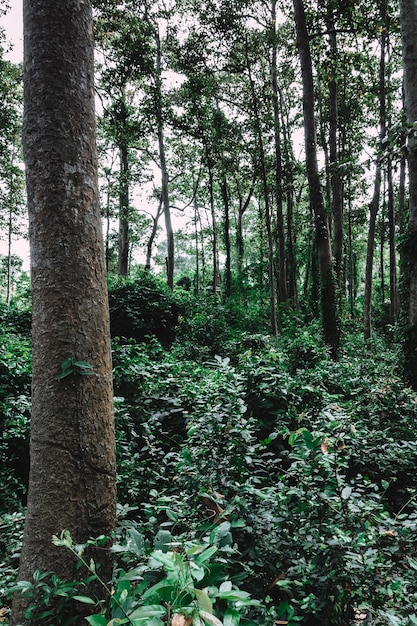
<point>259,481</point>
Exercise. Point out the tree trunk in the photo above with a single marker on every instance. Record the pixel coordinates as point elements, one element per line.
<point>335,178</point>
<point>408,19</point>
<point>123,243</point>
<point>240,246</point>
<point>289,159</point>
<point>331,324</point>
<point>170,258</point>
<point>72,473</point>
<point>227,246</point>
<point>214,236</point>
<point>258,133</point>
<point>282,262</point>
<point>374,205</point>
<point>149,245</point>
<point>392,246</point>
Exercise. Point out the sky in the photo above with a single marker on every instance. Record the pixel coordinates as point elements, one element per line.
<point>13,25</point>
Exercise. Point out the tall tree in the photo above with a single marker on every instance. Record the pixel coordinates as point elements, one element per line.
<point>282,261</point>
<point>374,204</point>
<point>408,18</point>
<point>331,324</point>
<point>72,473</point>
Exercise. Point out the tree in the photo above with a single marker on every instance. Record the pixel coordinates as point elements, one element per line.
<point>11,174</point>
<point>72,473</point>
<point>331,326</point>
<point>408,18</point>
<point>374,204</point>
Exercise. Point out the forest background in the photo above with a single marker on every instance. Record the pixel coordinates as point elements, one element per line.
<point>229,331</point>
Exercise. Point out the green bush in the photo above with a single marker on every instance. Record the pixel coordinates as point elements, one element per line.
<point>15,380</point>
<point>141,309</point>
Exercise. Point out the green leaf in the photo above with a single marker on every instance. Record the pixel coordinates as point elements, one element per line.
<point>412,562</point>
<point>309,439</point>
<point>165,558</point>
<point>171,515</point>
<point>346,491</point>
<point>143,612</point>
<point>203,600</point>
<point>84,599</point>
<point>83,365</point>
<point>233,595</point>
<point>210,619</point>
<point>206,555</point>
<point>97,620</point>
<point>231,617</point>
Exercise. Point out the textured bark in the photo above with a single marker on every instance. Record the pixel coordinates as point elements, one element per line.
<point>282,261</point>
<point>72,473</point>
<point>331,325</point>
<point>408,18</point>
<point>170,258</point>
<point>392,246</point>
<point>335,178</point>
<point>227,244</point>
<point>374,205</point>
<point>123,239</point>
<point>268,224</point>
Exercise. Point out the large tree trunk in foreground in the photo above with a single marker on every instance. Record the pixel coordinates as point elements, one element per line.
<point>331,324</point>
<point>72,474</point>
<point>408,17</point>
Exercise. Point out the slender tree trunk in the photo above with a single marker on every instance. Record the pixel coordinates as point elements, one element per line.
<point>9,248</point>
<point>12,207</point>
<point>374,205</point>
<point>123,257</point>
<point>170,259</point>
<point>382,250</point>
<point>214,235</point>
<point>291,270</point>
<point>335,178</point>
<point>282,262</point>
<point>72,451</point>
<point>331,323</point>
<point>408,19</point>
<point>196,247</point>
<point>258,132</point>
<point>392,246</point>
<point>227,246</point>
<point>240,246</point>
<point>350,272</point>
<point>149,245</point>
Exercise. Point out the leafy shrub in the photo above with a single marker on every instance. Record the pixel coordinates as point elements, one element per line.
<point>203,330</point>
<point>17,319</point>
<point>173,583</point>
<point>142,309</point>
<point>15,379</point>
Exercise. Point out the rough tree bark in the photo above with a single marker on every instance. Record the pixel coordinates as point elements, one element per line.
<point>124,218</point>
<point>330,320</point>
<point>266,199</point>
<point>170,258</point>
<point>72,473</point>
<point>334,167</point>
<point>374,205</point>
<point>282,260</point>
<point>408,19</point>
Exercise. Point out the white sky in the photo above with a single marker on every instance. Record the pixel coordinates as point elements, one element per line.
<point>13,25</point>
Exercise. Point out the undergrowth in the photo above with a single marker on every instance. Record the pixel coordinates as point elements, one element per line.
<point>258,482</point>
